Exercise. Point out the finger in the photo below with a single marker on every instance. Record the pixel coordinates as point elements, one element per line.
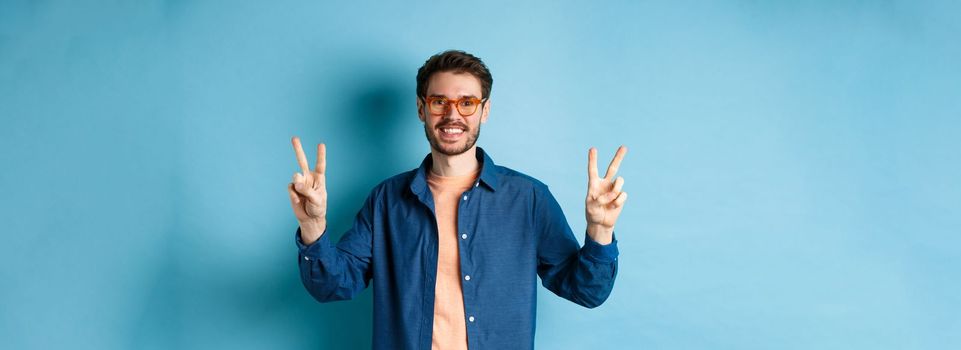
<point>300,182</point>
<point>619,201</point>
<point>607,197</point>
<point>618,184</point>
<point>294,198</point>
<point>316,182</point>
<point>610,195</point>
<point>321,166</point>
<point>301,157</point>
<point>309,194</point>
<point>615,163</point>
<point>592,164</point>
<point>304,189</point>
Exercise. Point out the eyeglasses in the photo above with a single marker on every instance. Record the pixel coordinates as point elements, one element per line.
<point>466,106</point>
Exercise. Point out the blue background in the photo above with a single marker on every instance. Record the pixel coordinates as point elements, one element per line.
<point>794,166</point>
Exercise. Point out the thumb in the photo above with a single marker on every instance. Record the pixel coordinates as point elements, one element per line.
<point>305,191</point>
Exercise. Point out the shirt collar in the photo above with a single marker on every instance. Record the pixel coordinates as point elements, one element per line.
<point>488,173</point>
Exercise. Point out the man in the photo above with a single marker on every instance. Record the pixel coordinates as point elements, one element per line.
<point>454,246</point>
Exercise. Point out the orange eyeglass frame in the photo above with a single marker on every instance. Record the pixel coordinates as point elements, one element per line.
<point>456,102</point>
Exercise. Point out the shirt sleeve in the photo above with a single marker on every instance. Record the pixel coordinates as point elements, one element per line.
<point>584,275</point>
<point>338,272</point>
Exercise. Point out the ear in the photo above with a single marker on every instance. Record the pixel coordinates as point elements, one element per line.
<point>420,110</point>
<point>486,111</point>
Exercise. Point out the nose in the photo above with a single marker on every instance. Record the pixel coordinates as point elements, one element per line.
<point>451,113</point>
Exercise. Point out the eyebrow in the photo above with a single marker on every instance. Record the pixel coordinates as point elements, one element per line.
<point>461,96</point>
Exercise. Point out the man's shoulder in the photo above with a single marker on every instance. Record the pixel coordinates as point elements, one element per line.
<point>510,178</point>
<point>396,183</point>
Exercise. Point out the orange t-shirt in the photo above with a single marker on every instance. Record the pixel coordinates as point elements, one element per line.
<point>450,329</point>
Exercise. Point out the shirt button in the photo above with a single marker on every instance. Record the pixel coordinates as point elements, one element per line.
<point>476,184</point>
<point>467,277</point>
<point>463,236</point>
<point>465,197</point>
<point>306,258</point>
<point>471,318</point>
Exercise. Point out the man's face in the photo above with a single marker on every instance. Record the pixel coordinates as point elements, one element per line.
<point>451,133</point>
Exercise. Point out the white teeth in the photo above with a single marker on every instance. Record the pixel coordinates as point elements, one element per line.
<point>453,131</point>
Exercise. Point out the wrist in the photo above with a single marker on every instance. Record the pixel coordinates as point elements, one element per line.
<point>601,234</point>
<point>311,230</point>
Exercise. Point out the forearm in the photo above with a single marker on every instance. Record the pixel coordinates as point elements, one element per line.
<point>586,278</point>
<point>330,273</point>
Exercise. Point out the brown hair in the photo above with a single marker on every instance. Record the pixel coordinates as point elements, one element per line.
<point>455,61</point>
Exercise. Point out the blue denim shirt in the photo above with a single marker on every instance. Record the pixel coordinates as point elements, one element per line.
<point>510,230</point>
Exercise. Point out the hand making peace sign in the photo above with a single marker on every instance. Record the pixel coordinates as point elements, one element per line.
<point>308,193</point>
<point>604,197</point>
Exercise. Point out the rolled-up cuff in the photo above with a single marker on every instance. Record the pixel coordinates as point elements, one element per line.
<point>314,250</point>
<point>606,253</point>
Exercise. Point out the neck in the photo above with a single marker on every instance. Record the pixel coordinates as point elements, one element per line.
<point>462,164</point>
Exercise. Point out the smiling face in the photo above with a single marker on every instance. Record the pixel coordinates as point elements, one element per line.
<point>451,133</point>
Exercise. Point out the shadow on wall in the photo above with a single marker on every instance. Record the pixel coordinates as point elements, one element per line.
<point>270,307</point>
<point>377,102</point>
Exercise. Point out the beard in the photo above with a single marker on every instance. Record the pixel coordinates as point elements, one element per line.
<point>452,149</point>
